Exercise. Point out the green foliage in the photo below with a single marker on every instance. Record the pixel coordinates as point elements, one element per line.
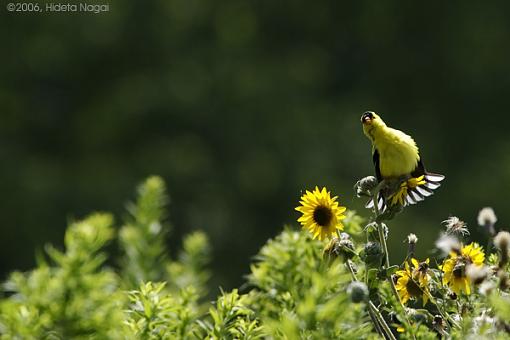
<point>70,297</point>
<point>190,269</point>
<point>298,288</point>
<point>143,237</point>
<point>73,294</point>
<point>156,314</point>
<point>231,318</point>
<point>300,295</point>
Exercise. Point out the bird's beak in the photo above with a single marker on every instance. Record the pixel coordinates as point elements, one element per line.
<point>366,120</point>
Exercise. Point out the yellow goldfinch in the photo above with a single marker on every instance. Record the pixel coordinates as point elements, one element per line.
<point>397,160</point>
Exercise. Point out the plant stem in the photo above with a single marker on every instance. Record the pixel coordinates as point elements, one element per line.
<point>351,270</point>
<point>395,292</point>
<point>380,230</point>
<point>375,322</point>
<point>381,320</point>
<point>375,314</point>
<point>444,314</point>
<point>382,239</point>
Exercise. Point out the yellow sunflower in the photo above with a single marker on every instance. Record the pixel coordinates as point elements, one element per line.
<point>321,213</point>
<point>454,267</point>
<point>413,282</point>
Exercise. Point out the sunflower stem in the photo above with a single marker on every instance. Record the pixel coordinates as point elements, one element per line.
<point>380,324</point>
<point>395,292</point>
<point>375,322</point>
<point>381,320</point>
<point>351,270</point>
<point>382,239</point>
<point>444,314</point>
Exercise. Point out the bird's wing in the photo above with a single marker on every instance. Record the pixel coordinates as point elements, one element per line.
<point>381,204</point>
<point>375,158</point>
<point>419,170</point>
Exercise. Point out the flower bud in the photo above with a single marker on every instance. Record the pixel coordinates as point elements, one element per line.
<point>330,249</point>
<point>342,246</point>
<point>358,291</point>
<point>365,186</point>
<point>373,254</point>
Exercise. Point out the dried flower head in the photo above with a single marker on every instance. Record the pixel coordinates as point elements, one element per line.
<point>483,322</point>
<point>487,219</point>
<point>411,244</point>
<point>455,226</point>
<point>412,238</point>
<point>486,287</point>
<point>447,244</point>
<point>502,240</point>
<point>477,274</point>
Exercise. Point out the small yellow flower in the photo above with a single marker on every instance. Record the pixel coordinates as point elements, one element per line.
<point>414,282</point>
<point>454,267</point>
<point>321,213</point>
<point>400,195</point>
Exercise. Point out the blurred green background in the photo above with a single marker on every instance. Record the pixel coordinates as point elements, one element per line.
<point>240,105</point>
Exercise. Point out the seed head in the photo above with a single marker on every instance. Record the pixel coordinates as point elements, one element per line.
<point>455,226</point>
<point>477,274</point>
<point>447,244</point>
<point>487,219</point>
<point>502,240</point>
<point>486,287</point>
<point>411,244</point>
<point>412,239</point>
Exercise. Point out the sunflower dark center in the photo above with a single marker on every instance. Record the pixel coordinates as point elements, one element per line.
<point>322,215</point>
<point>413,288</point>
<point>459,270</point>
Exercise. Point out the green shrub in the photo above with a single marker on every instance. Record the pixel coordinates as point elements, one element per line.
<point>298,288</point>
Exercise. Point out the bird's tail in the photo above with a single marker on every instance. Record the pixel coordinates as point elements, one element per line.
<point>411,191</point>
<point>381,203</point>
<point>425,187</point>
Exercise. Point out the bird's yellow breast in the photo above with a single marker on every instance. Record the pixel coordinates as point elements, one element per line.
<point>398,153</point>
